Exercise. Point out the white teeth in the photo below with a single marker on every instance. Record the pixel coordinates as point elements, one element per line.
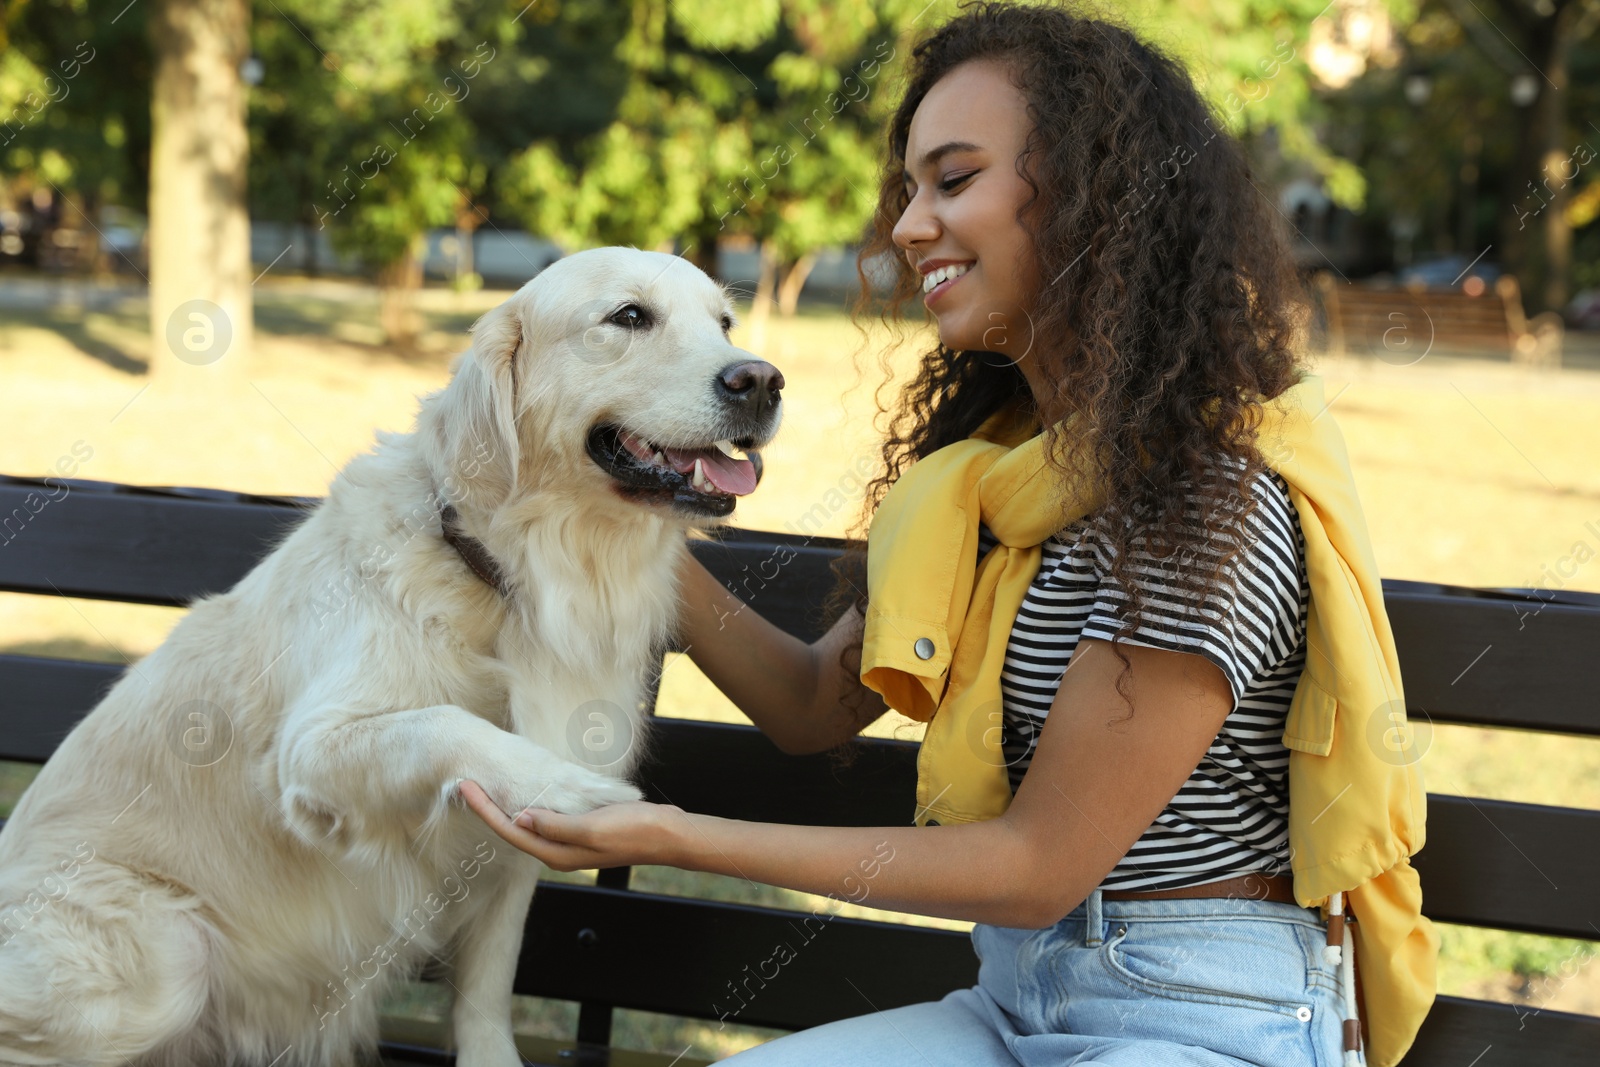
<point>699,480</point>
<point>726,448</point>
<point>659,460</point>
<point>934,277</point>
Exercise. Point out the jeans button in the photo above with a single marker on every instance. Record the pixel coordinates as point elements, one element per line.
<point>1303,1013</point>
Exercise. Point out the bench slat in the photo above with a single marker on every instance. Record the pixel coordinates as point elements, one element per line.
<point>1498,662</point>
<point>168,547</point>
<point>104,542</point>
<point>1473,1033</point>
<point>705,959</point>
<point>41,699</point>
<point>755,781</point>
<point>137,547</point>
<point>689,957</point>
<point>1522,867</point>
<point>786,578</point>
<point>1517,683</point>
<point>1487,863</point>
<point>694,958</point>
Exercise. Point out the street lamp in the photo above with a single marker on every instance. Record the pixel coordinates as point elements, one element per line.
<point>1524,89</point>
<point>1418,88</point>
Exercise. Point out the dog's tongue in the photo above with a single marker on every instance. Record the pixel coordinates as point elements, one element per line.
<point>736,476</point>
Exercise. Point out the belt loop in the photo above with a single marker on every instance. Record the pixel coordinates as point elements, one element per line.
<point>1094,924</point>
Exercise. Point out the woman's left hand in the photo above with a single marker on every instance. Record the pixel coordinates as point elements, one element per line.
<point>617,835</point>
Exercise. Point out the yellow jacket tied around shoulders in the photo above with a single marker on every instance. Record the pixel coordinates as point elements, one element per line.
<point>938,620</point>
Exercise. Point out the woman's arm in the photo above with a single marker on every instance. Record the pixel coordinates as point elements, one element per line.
<point>1097,780</point>
<point>797,693</point>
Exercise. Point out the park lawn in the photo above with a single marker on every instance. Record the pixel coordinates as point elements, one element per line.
<point>1471,472</point>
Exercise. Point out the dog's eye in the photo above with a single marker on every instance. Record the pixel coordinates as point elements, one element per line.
<point>632,316</point>
<point>727,323</point>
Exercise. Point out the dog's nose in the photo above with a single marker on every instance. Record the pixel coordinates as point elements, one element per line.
<point>755,382</point>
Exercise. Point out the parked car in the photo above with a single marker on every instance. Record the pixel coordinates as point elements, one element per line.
<point>1452,272</point>
<point>1583,311</point>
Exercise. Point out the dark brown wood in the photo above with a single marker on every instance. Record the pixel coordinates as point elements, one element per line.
<point>1521,867</point>
<point>1482,657</point>
<point>138,546</point>
<point>731,962</point>
<point>1473,1033</point>
<point>785,577</point>
<point>757,782</point>
<point>1498,658</point>
<point>1511,658</point>
<point>1487,863</point>
<point>41,699</point>
<point>699,959</point>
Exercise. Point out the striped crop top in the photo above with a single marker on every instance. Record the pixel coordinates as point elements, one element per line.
<point>1231,816</point>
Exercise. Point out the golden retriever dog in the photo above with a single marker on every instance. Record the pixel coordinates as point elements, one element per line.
<point>256,832</point>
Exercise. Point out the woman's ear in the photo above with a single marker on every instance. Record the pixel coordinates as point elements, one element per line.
<point>475,422</point>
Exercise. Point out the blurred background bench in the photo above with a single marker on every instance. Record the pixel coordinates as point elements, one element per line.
<point>1403,323</point>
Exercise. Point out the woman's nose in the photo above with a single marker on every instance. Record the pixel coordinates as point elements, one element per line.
<point>916,224</point>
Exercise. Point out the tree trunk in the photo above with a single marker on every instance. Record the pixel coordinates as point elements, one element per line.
<point>467,278</point>
<point>1557,168</point>
<point>1467,218</point>
<point>397,311</point>
<point>200,310</point>
<point>1536,239</point>
<point>307,231</point>
<point>794,280</point>
<point>702,252</point>
<point>761,306</point>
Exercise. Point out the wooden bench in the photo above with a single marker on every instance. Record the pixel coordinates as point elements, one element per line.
<point>1481,657</point>
<point>1402,324</point>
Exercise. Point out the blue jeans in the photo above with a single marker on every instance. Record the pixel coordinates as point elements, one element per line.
<point>1205,982</point>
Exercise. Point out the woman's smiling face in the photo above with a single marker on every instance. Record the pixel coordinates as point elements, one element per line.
<point>964,193</point>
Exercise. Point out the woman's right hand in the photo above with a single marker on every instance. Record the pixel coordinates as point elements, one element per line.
<point>801,695</point>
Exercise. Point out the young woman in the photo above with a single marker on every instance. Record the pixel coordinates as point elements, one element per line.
<point>1094,253</point>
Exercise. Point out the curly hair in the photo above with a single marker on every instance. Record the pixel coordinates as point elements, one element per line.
<point>1164,279</point>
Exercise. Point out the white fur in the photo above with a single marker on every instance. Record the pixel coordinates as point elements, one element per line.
<point>240,880</point>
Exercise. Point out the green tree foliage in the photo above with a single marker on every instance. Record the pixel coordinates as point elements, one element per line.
<point>1249,57</point>
<point>656,123</point>
<point>1460,164</point>
<point>760,120</point>
<point>379,128</point>
<point>360,127</point>
<point>74,101</point>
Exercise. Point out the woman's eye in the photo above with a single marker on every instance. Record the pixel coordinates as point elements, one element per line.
<point>630,315</point>
<point>951,183</point>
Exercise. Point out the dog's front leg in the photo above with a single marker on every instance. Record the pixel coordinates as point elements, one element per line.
<point>486,964</point>
<point>349,776</point>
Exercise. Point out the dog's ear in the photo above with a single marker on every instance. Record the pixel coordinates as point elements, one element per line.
<point>476,427</point>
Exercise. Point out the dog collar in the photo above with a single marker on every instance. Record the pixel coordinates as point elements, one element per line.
<point>472,551</point>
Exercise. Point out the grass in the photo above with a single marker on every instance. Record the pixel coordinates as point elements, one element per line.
<point>1471,472</point>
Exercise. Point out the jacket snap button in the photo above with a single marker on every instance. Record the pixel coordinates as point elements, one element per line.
<point>933,822</point>
<point>1303,1013</point>
<point>924,648</point>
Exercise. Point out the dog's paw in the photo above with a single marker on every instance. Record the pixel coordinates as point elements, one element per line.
<point>578,789</point>
<point>527,776</point>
